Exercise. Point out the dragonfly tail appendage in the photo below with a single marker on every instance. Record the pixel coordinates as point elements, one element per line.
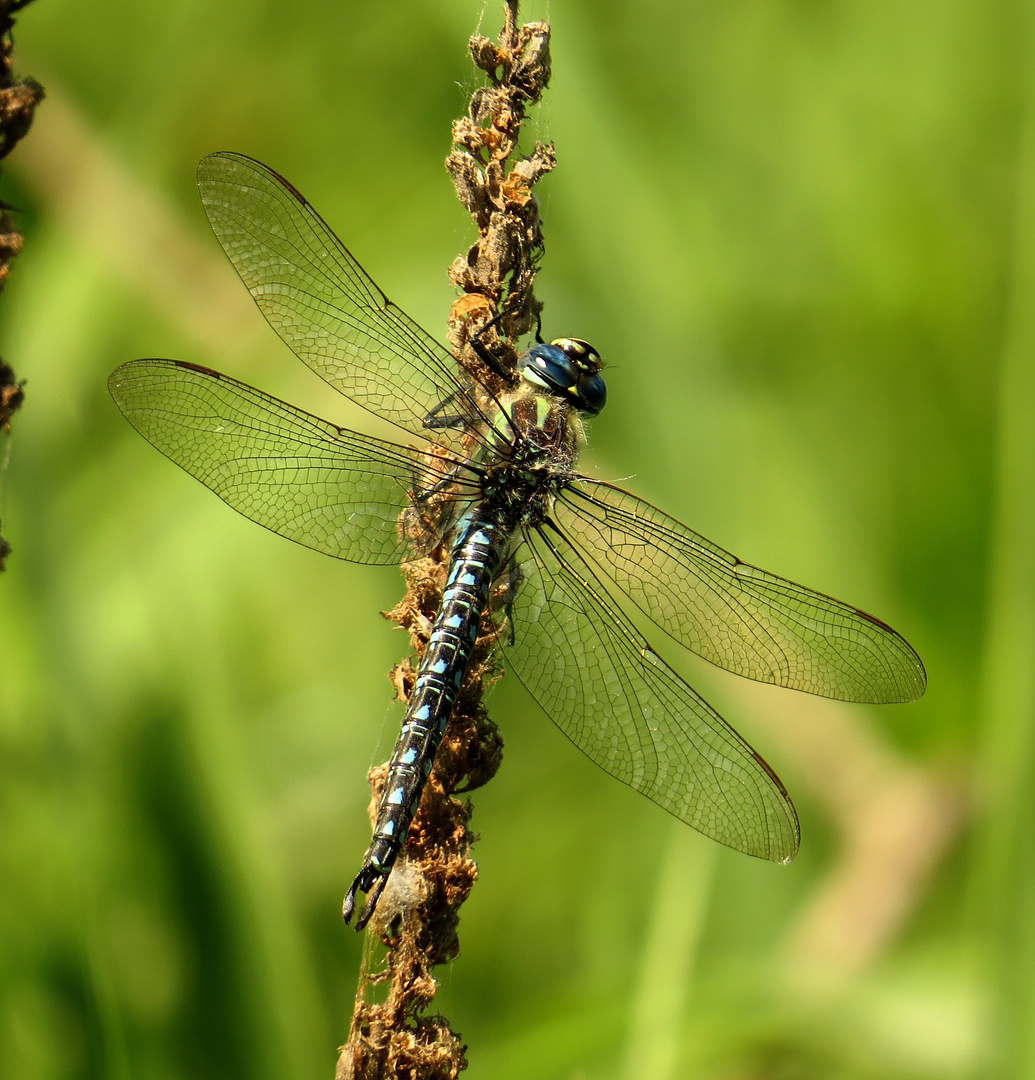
<point>370,881</point>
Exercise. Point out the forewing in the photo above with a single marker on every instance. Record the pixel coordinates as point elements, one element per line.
<point>319,299</point>
<point>743,619</point>
<point>322,486</point>
<point>610,693</point>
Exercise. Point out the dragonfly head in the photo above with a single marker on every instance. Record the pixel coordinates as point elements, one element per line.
<point>569,368</point>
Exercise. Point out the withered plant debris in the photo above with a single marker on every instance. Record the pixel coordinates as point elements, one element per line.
<point>18,101</point>
<point>417,918</point>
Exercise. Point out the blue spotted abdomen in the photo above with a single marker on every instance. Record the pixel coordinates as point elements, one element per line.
<point>482,540</point>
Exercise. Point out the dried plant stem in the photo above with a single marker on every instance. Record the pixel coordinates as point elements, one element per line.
<point>415,926</point>
<point>18,101</point>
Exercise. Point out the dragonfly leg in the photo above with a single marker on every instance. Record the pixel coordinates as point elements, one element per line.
<point>435,421</point>
<point>486,356</point>
<point>439,486</point>
<point>484,353</point>
<point>488,359</point>
<point>513,582</point>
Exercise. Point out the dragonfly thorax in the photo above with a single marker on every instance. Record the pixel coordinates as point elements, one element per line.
<point>522,491</point>
<point>536,427</point>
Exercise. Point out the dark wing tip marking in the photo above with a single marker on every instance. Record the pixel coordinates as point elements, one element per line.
<point>772,773</point>
<point>876,622</point>
<point>781,856</point>
<point>288,186</point>
<point>921,671</point>
<point>199,368</point>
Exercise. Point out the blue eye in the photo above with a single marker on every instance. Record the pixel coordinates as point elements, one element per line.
<point>547,366</point>
<point>569,369</point>
<point>592,394</point>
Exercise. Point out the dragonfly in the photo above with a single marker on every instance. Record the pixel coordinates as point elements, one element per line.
<point>539,555</point>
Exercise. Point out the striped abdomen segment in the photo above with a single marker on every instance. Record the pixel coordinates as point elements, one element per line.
<point>476,556</point>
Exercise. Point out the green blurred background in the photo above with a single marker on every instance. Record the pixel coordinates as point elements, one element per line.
<point>803,234</point>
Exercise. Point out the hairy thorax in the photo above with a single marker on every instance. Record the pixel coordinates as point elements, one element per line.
<point>535,461</point>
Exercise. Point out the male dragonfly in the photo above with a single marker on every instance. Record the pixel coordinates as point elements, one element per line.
<point>488,469</point>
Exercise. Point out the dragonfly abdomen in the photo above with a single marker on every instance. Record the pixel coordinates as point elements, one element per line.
<point>476,556</point>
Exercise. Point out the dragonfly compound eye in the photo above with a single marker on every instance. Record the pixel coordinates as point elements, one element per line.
<point>592,394</point>
<point>568,368</point>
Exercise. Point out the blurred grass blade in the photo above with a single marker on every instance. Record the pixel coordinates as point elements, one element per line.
<point>669,958</point>
<point>1003,874</point>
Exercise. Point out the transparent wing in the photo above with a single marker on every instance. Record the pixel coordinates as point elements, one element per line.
<point>743,619</point>
<point>319,299</point>
<point>322,486</point>
<point>609,692</point>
